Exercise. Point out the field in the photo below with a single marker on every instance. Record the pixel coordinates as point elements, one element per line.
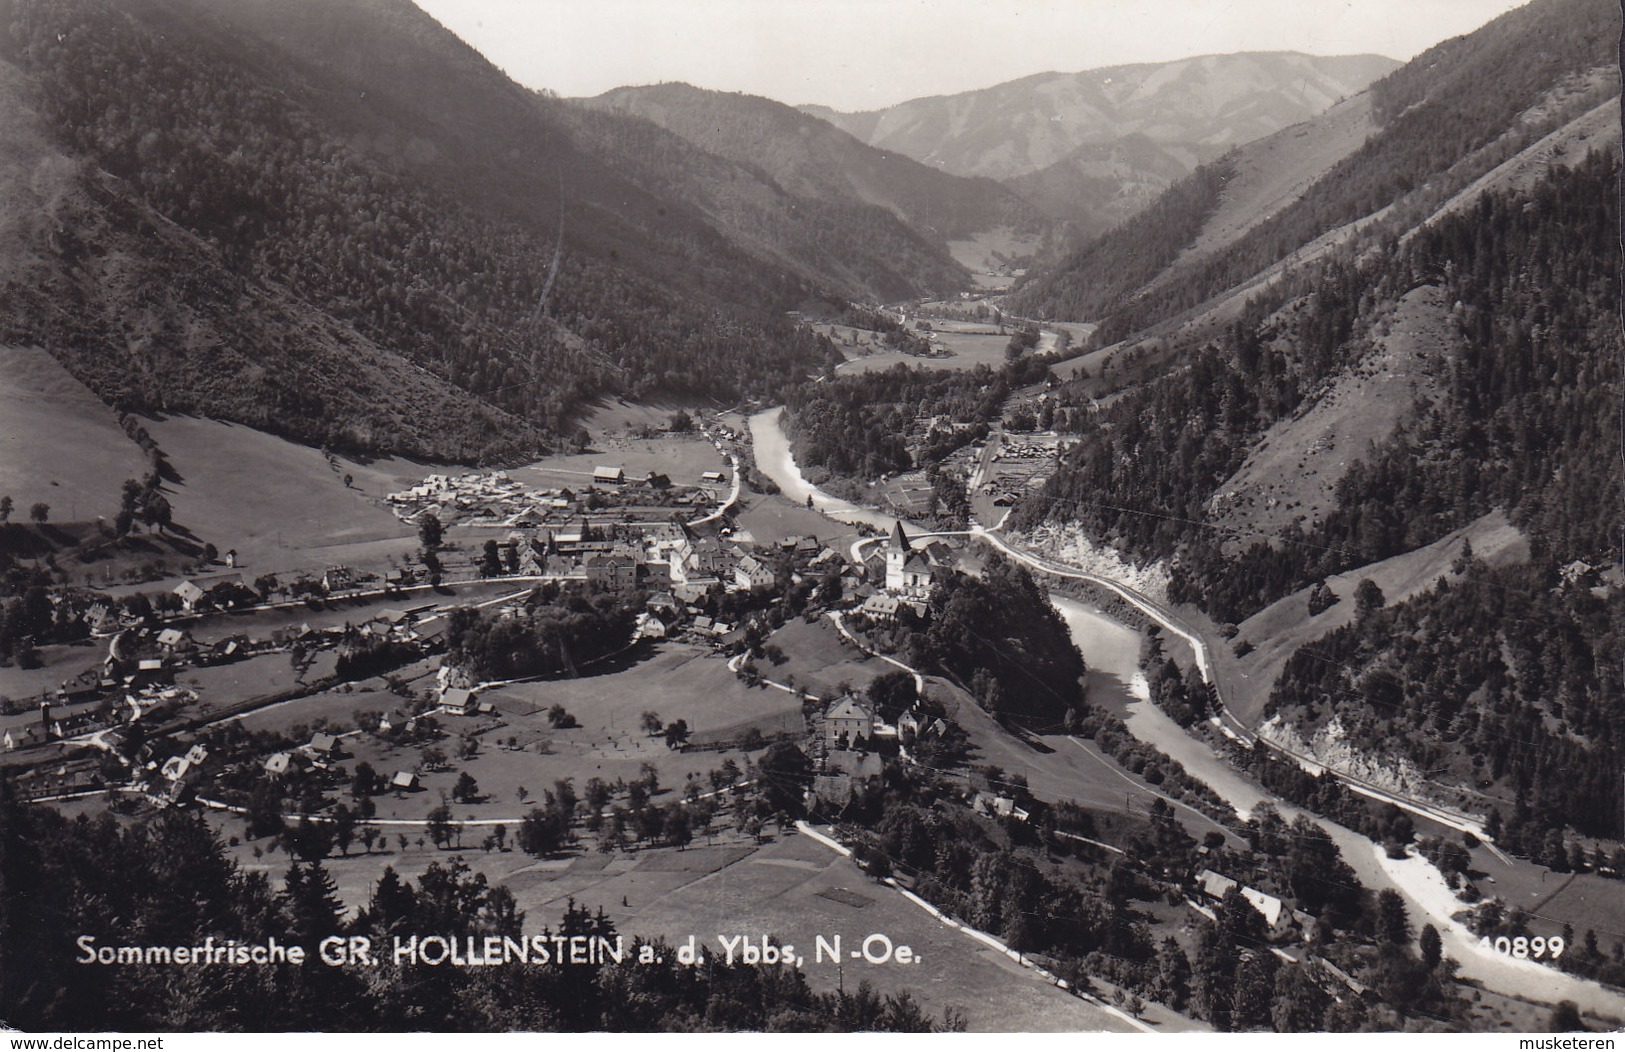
<point>62,662</point>
<point>1583,900</point>
<point>281,506</point>
<point>970,350</point>
<point>989,256</point>
<point>682,457</point>
<point>792,887</point>
<point>820,659</point>
<point>1064,767</point>
<point>59,444</point>
<point>520,747</point>
<point>763,518</point>
<point>619,415</point>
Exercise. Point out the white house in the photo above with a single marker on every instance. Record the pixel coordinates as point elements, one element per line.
<point>751,572</point>
<point>849,718</point>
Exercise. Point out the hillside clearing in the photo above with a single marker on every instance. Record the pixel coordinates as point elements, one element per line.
<point>281,505</point>
<point>59,444</point>
<point>1290,477</point>
<point>1282,627</point>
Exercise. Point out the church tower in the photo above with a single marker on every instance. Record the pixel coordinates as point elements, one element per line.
<point>898,550</point>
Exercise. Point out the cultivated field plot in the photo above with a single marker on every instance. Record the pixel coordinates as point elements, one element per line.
<point>59,444</point>
<point>1062,767</point>
<point>765,518</point>
<point>820,659</point>
<point>617,415</point>
<point>339,706</point>
<point>281,506</point>
<point>1585,901</point>
<point>266,674</point>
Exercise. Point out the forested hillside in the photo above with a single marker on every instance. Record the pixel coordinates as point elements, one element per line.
<point>1109,270</point>
<point>1505,665</point>
<point>859,250</point>
<point>812,158</point>
<point>1462,96</point>
<point>256,170</point>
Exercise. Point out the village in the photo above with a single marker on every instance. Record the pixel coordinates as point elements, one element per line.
<point>218,646</point>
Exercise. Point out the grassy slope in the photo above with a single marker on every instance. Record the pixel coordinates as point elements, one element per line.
<point>1273,172</point>
<point>58,442</point>
<point>736,887</point>
<point>1283,626</point>
<point>277,503</point>
<point>1291,474</point>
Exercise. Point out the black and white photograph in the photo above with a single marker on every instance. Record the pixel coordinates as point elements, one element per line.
<point>1065,517</point>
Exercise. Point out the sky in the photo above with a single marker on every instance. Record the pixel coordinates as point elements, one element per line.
<point>866,54</point>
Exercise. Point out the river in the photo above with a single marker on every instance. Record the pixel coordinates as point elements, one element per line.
<point>1114,649</point>
<point>773,459</point>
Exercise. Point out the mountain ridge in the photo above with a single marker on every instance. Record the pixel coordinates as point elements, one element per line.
<point>811,158</point>
<point>970,133</point>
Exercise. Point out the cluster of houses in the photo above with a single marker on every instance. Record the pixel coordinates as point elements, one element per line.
<point>223,591</point>
<point>670,558</point>
<point>321,752</point>
<point>1019,465</point>
<point>497,500</point>
<point>1279,920</point>
<point>847,730</point>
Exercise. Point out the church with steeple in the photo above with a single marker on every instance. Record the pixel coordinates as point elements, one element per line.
<point>908,571</point>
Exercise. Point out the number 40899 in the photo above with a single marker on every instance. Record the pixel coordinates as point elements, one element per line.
<point>1522,947</point>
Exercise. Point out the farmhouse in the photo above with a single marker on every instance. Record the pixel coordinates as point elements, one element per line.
<point>458,701</point>
<point>608,476</point>
<point>23,737</point>
<point>998,807</point>
<point>1215,886</point>
<point>404,780</point>
<point>848,719</point>
<point>172,639</point>
<point>338,578</point>
<point>189,593</point>
<point>325,746</point>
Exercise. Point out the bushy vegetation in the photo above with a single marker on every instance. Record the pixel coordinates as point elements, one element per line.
<point>554,632</point>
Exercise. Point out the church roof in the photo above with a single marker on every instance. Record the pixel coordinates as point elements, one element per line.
<point>899,539</point>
